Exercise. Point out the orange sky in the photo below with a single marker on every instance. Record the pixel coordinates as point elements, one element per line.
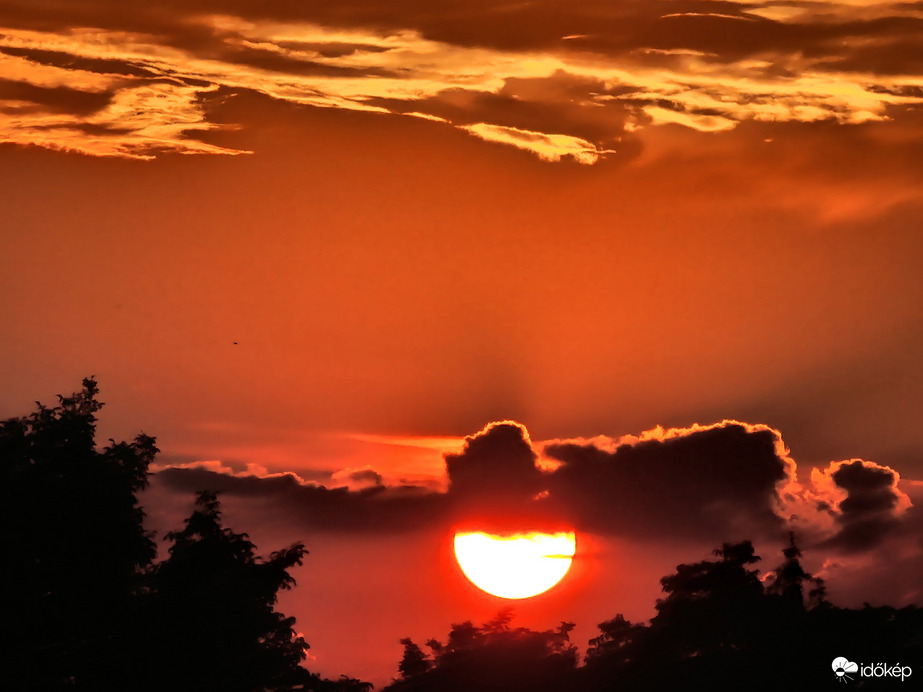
<point>416,221</point>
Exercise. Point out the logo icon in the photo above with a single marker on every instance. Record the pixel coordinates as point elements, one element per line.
<point>842,666</point>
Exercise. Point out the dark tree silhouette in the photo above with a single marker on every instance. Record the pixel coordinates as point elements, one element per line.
<point>414,662</point>
<point>711,606</point>
<point>75,547</point>
<point>719,629</point>
<point>707,628</point>
<point>615,643</point>
<point>84,607</point>
<point>214,611</point>
<point>788,581</point>
<point>492,658</point>
<point>344,684</point>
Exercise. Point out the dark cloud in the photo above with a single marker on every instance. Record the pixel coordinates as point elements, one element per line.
<point>56,58</point>
<point>709,483</point>
<point>54,100</point>
<point>366,475</point>
<point>371,510</point>
<point>496,484</point>
<point>869,513</point>
<point>722,480</point>
<point>498,461</point>
<point>900,56</point>
<point>724,31</point>
<point>356,479</point>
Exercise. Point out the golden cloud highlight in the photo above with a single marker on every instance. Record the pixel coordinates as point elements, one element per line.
<point>546,147</point>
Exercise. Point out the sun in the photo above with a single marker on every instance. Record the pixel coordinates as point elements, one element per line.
<point>516,566</point>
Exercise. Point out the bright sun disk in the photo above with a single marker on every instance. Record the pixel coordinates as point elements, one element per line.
<point>517,566</point>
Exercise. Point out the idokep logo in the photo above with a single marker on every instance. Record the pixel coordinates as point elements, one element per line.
<point>842,667</point>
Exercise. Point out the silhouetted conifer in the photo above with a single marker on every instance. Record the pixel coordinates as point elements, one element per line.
<point>788,579</point>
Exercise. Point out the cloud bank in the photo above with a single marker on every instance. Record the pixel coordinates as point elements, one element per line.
<point>730,480</point>
<point>561,82</point>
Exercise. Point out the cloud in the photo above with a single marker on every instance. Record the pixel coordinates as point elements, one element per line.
<point>703,123</point>
<point>218,467</point>
<point>372,509</point>
<point>357,479</point>
<point>546,147</point>
<point>705,482</point>
<point>697,481</point>
<point>497,461</point>
<point>709,482</point>
<point>864,500</point>
<point>707,67</point>
<point>137,119</point>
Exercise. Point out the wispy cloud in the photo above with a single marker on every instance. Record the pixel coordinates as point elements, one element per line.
<point>546,146</point>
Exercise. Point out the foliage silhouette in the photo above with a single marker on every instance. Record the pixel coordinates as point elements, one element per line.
<point>614,644</point>
<point>214,611</point>
<point>492,657</point>
<point>85,606</point>
<point>788,579</point>
<point>75,536</point>
<point>710,626</point>
<point>414,662</point>
<point>718,627</point>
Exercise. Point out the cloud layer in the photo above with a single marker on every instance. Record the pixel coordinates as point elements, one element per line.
<point>730,480</point>
<point>558,81</point>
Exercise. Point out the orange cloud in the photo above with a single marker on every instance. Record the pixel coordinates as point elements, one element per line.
<point>547,147</point>
<point>683,73</point>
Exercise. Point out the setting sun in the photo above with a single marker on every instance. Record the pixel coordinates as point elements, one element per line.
<point>517,566</point>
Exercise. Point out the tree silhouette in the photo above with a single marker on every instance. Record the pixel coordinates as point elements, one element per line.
<point>616,642</point>
<point>414,662</point>
<point>711,606</point>
<point>788,579</point>
<point>76,547</point>
<point>85,608</point>
<point>215,619</point>
<point>707,628</point>
<point>344,684</point>
<point>492,657</point>
<point>719,628</point>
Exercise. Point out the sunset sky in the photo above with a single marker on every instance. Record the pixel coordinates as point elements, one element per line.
<point>676,243</point>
